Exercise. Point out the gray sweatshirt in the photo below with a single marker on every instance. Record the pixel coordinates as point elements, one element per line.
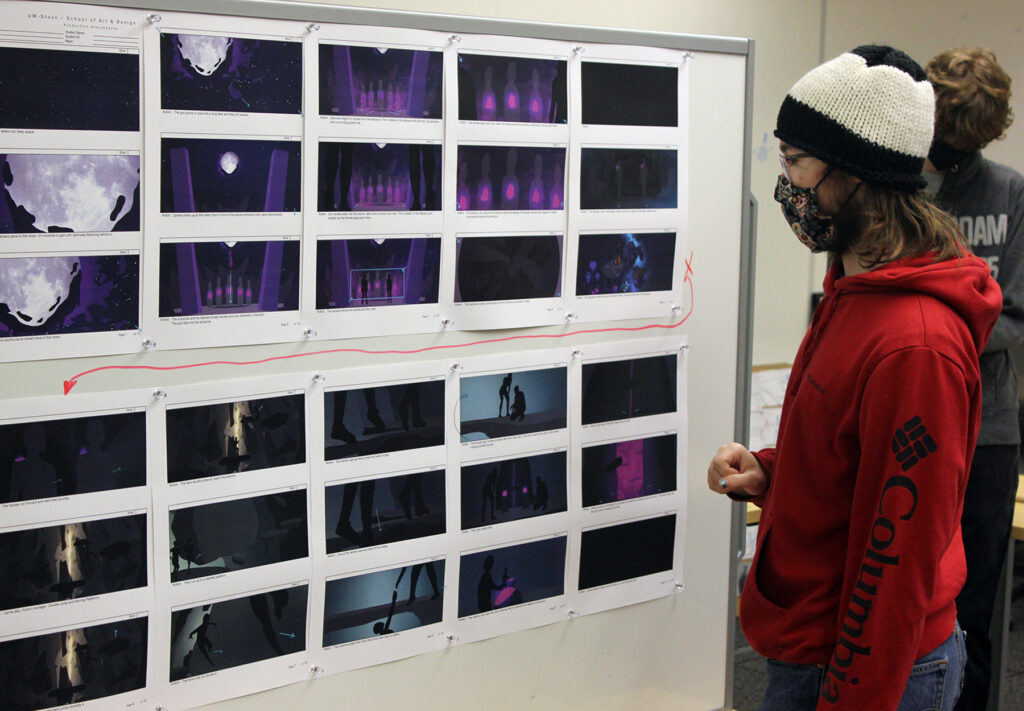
<point>988,201</point>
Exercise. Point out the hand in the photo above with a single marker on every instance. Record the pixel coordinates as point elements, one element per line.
<point>734,466</point>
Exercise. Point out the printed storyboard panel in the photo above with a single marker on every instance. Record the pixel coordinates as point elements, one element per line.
<point>224,131</point>
<point>71,169</point>
<point>273,182</point>
<point>75,522</point>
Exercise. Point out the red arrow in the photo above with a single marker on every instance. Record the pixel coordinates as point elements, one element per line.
<point>73,381</point>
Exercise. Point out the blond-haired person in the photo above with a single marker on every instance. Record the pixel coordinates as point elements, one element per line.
<point>972,108</point>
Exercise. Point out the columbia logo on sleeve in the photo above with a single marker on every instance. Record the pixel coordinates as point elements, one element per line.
<point>912,443</point>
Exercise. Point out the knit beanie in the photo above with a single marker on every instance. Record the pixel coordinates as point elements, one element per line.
<point>869,112</point>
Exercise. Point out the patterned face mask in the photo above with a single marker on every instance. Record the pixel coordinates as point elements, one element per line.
<point>801,210</point>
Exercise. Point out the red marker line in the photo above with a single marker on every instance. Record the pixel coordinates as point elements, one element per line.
<point>73,381</point>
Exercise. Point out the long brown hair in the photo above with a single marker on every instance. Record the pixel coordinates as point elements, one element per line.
<point>882,225</point>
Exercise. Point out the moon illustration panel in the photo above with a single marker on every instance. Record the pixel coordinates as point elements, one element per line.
<point>235,74</point>
<point>69,192</point>
<point>229,175</point>
<point>41,296</point>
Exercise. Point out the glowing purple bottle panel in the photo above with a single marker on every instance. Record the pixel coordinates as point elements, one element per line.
<point>380,81</point>
<point>512,89</point>
<point>379,177</point>
<point>510,178</point>
<point>225,278</point>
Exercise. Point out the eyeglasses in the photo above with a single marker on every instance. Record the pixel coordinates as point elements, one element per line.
<point>788,159</point>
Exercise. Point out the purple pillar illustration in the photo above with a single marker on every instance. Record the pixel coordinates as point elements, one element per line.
<point>277,180</point>
<point>339,268</point>
<point>181,181</point>
<point>556,197</point>
<point>188,279</point>
<point>270,286</point>
<point>343,84</point>
<point>417,84</point>
<point>414,271</point>
<point>462,188</point>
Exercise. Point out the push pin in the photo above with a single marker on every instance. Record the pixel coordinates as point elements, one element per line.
<point>159,394</point>
<point>447,323</point>
<point>318,378</point>
<point>450,637</point>
<point>314,669</point>
<point>676,308</point>
<point>680,587</point>
<point>456,367</point>
<point>153,19</point>
<point>148,344</point>
<point>308,333</point>
<point>578,49</point>
<point>312,27</point>
<point>570,317</point>
<point>685,348</point>
<point>577,352</point>
<point>572,613</point>
<point>454,39</point>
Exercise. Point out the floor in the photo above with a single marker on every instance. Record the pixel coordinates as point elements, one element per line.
<point>748,669</point>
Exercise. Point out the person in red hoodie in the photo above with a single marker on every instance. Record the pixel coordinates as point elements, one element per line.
<point>851,594</point>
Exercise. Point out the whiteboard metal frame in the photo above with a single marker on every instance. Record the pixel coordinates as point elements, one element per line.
<point>317,12</point>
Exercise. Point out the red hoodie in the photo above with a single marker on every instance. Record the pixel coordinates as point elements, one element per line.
<point>859,556</point>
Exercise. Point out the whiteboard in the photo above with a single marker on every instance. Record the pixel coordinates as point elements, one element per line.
<point>674,652</point>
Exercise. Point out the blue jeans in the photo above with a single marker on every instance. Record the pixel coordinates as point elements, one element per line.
<point>934,683</point>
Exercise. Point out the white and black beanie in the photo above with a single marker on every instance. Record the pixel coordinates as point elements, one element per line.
<point>869,112</point>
